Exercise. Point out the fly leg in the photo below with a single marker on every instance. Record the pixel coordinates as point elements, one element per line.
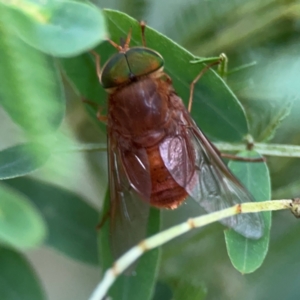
<point>97,61</point>
<point>100,116</point>
<point>143,27</point>
<point>221,61</point>
<point>103,220</point>
<point>124,44</point>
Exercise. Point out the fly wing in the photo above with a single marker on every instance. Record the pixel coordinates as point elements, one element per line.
<point>128,213</point>
<point>198,168</point>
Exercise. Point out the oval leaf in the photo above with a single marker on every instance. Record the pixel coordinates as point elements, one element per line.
<point>71,221</point>
<point>245,254</point>
<point>59,28</point>
<point>18,279</point>
<point>212,99</point>
<point>22,159</point>
<point>21,225</point>
<point>129,287</point>
<point>272,113</point>
<point>30,84</point>
<point>274,94</point>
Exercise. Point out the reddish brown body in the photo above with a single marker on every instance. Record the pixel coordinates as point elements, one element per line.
<point>141,116</point>
<point>157,154</point>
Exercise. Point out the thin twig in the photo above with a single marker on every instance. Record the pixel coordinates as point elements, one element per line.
<point>281,150</point>
<point>163,237</point>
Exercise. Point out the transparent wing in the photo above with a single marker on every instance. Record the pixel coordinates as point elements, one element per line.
<point>128,213</point>
<point>200,170</point>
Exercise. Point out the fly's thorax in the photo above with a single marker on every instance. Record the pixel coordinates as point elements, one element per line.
<point>140,107</point>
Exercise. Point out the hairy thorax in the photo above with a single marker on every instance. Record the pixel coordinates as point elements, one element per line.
<point>140,111</point>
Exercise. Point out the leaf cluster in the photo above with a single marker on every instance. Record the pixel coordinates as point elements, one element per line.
<point>46,70</point>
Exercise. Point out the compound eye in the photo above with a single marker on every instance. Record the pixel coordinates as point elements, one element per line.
<point>115,72</point>
<point>143,61</point>
<point>123,67</point>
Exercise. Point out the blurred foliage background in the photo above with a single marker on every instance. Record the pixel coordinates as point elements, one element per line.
<point>195,266</point>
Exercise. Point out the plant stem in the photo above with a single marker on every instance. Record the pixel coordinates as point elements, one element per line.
<point>264,149</point>
<point>163,237</point>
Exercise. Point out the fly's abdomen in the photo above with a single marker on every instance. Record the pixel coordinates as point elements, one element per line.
<point>165,192</point>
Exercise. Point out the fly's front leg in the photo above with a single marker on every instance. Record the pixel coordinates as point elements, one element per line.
<point>97,60</point>
<point>166,78</point>
<point>100,116</point>
<point>143,27</point>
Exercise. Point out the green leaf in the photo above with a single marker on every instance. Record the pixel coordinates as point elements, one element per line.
<point>30,89</point>
<point>71,221</point>
<point>17,278</point>
<point>192,290</point>
<point>272,113</point>
<point>135,8</point>
<point>212,99</point>
<point>21,225</point>
<point>280,272</point>
<point>141,284</point>
<point>81,72</point>
<point>162,291</point>
<point>274,93</point>
<point>245,254</point>
<point>58,28</point>
<point>22,159</point>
